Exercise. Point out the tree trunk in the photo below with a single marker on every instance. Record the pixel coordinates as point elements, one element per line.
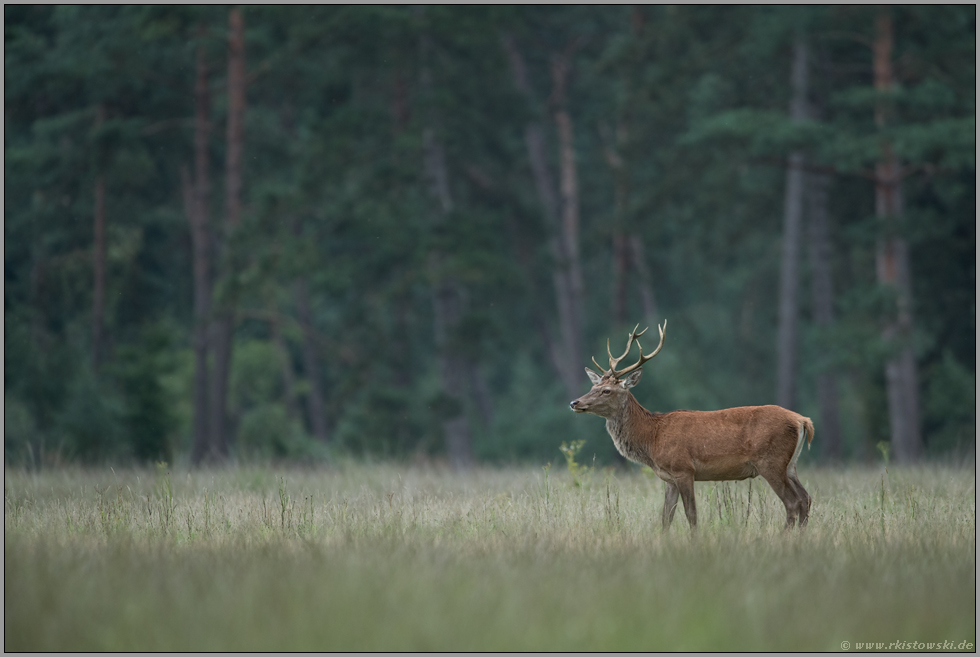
<point>447,294</point>
<point>482,396</point>
<point>566,357</point>
<point>534,137</point>
<point>447,301</point>
<point>454,367</point>
<point>315,406</point>
<point>286,363</point>
<point>639,263</point>
<point>823,306</point>
<point>560,70</point>
<point>893,269</point>
<point>98,292</point>
<point>196,195</point>
<point>621,257</point>
<point>628,252</point>
<point>525,258</point>
<point>620,241</point>
<point>225,321</point>
<point>788,331</point>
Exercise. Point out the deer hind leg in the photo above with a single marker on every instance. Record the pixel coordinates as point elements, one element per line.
<point>670,503</point>
<point>781,484</point>
<point>685,486</point>
<point>803,498</point>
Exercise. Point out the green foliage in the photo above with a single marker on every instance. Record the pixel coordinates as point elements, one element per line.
<point>694,100</point>
<point>392,421</point>
<point>267,427</point>
<point>581,474</point>
<point>21,438</point>
<point>148,416</point>
<point>950,406</point>
<point>266,432</point>
<point>533,418</point>
<point>90,425</point>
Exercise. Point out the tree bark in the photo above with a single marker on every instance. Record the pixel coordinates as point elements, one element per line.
<point>447,302</point>
<point>98,263</point>
<point>196,195</point>
<point>447,293</point>
<point>621,257</point>
<point>620,240</point>
<point>315,407</point>
<point>560,71</point>
<point>644,279</point>
<point>892,266</point>
<point>822,290</point>
<point>225,321</point>
<point>482,396</point>
<point>628,252</point>
<point>286,364</point>
<point>561,215</point>
<point>788,330</point>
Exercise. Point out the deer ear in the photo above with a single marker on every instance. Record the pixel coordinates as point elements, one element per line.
<point>595,378</point>
<point>632,379</point>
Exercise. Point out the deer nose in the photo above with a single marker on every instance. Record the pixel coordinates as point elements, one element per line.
<point>573,404</point>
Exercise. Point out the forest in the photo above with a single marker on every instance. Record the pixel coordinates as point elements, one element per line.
<point>305,233</point>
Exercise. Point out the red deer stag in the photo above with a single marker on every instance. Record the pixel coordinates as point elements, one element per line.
<point>687,446</point>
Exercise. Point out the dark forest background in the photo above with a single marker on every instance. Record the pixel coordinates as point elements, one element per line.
<point>402,232</point>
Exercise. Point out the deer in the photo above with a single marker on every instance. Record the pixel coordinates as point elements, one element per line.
<point>682,447</point>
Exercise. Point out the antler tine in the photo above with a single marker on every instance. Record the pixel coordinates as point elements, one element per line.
<point>633,335</point>
<point>644,359</point>
<point>601,370</point>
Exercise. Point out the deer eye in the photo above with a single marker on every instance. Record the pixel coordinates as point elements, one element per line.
<point>606,391</point>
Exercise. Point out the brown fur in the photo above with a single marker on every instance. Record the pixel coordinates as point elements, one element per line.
<point>687,446</point>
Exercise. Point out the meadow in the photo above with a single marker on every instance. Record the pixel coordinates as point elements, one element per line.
<point>381,557</point>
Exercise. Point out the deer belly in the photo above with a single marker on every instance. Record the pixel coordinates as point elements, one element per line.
<point>724,470</point>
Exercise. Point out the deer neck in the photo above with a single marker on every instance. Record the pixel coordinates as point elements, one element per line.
<point>623,428</point>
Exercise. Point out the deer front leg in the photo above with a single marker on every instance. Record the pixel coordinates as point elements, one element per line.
<point>670,503</point>
<point>685,485</point>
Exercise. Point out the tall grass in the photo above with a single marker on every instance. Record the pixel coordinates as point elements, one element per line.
<point>360,557</point>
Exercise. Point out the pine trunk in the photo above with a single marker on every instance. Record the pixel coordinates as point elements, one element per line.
<point>629,261</point>
<point>225,322</point>
<point>560,71</point>
<point>196,195</point>
<point>557,217</point>
<point>286,364</point>
<point>98,264</point>
<point>822,290</point>
<point>447,293</point>
<point>788,330</point>
<point>447,301</point>
<point>98,258</point>
<point>644,280</point>
<point>621,257</point>
<point>893,269</point>
<point>315,407</point>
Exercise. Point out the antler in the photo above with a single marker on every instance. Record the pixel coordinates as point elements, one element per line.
<point>634,336</point>
<point>613,362</point>
<point>643,359</point>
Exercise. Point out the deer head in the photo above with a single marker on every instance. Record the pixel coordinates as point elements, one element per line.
<point>610,389</point>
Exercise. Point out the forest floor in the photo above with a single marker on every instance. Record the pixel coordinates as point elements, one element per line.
<point>359,557</point>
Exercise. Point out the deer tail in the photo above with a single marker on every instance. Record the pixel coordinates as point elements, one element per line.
<point>808,429</point>
<point>805,435</point>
